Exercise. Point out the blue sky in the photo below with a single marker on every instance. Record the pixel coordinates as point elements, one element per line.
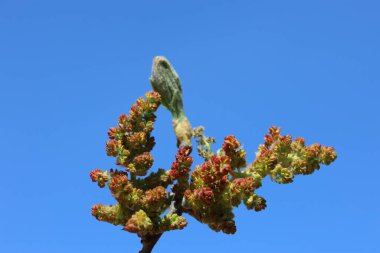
<point>68,69</point>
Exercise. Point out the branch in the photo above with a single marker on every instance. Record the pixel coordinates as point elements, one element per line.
<point>149,241</point>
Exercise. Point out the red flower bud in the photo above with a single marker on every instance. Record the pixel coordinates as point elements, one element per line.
<point>268,140</point>
<point>123,120</point>
<point>117,183</point>
<point>142,163</point>
<point>274,131</point>
<point>181,166</point>
<point>243,185</point>
<point>112,132</point>
<point>300,140</point>
<point>204,194</point>
<point>153,97</point>
<point>94,174</point>
<point>230,143</point>
<point>112,147</point>
<point>99,176</point>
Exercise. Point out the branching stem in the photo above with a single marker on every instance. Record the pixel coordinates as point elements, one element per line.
<point>149,241</point>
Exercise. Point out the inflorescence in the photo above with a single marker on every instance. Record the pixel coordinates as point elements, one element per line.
<point>209,192</point>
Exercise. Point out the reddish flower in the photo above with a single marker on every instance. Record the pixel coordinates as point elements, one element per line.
<point>243,185</point>
<point>112,132</point>
<point>181,166</point>
<point>94,174</point>
<point>123,120</point>
<point>300,140</point>
<point>268,140</point>
<point>274,132</point>
<point>117,183</point>
<point>204,194</point>
<point>230,143</point>
<point>142,163</point>
<point>112,147</point>
<point>99,176</point>
<point>153,97</point>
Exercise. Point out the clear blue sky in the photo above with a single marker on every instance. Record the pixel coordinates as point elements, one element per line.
<point>69,68</point>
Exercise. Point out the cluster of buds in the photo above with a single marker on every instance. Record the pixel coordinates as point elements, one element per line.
<point>209,192</point>
<point>216,186</point>
<point>131,141</point>
<point>232,149</point>
<point>110,214</point>
<point>220,184</point>
<point>180,170</point>
<point>97,175</point>
<point>283,158</point>
<point>141,201</point>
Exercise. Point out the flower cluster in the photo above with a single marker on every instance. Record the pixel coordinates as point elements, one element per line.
<point>131,141</point>
<point>141,201</point>
<point>282,158</point>
<point>219,184</point>
<point>151,204</point>
<point>97,175</point>
<point>209,192</point>
<point>180,170</point>
<point>111,214</point>
<point>232,149</point>
<point>214,184</point>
